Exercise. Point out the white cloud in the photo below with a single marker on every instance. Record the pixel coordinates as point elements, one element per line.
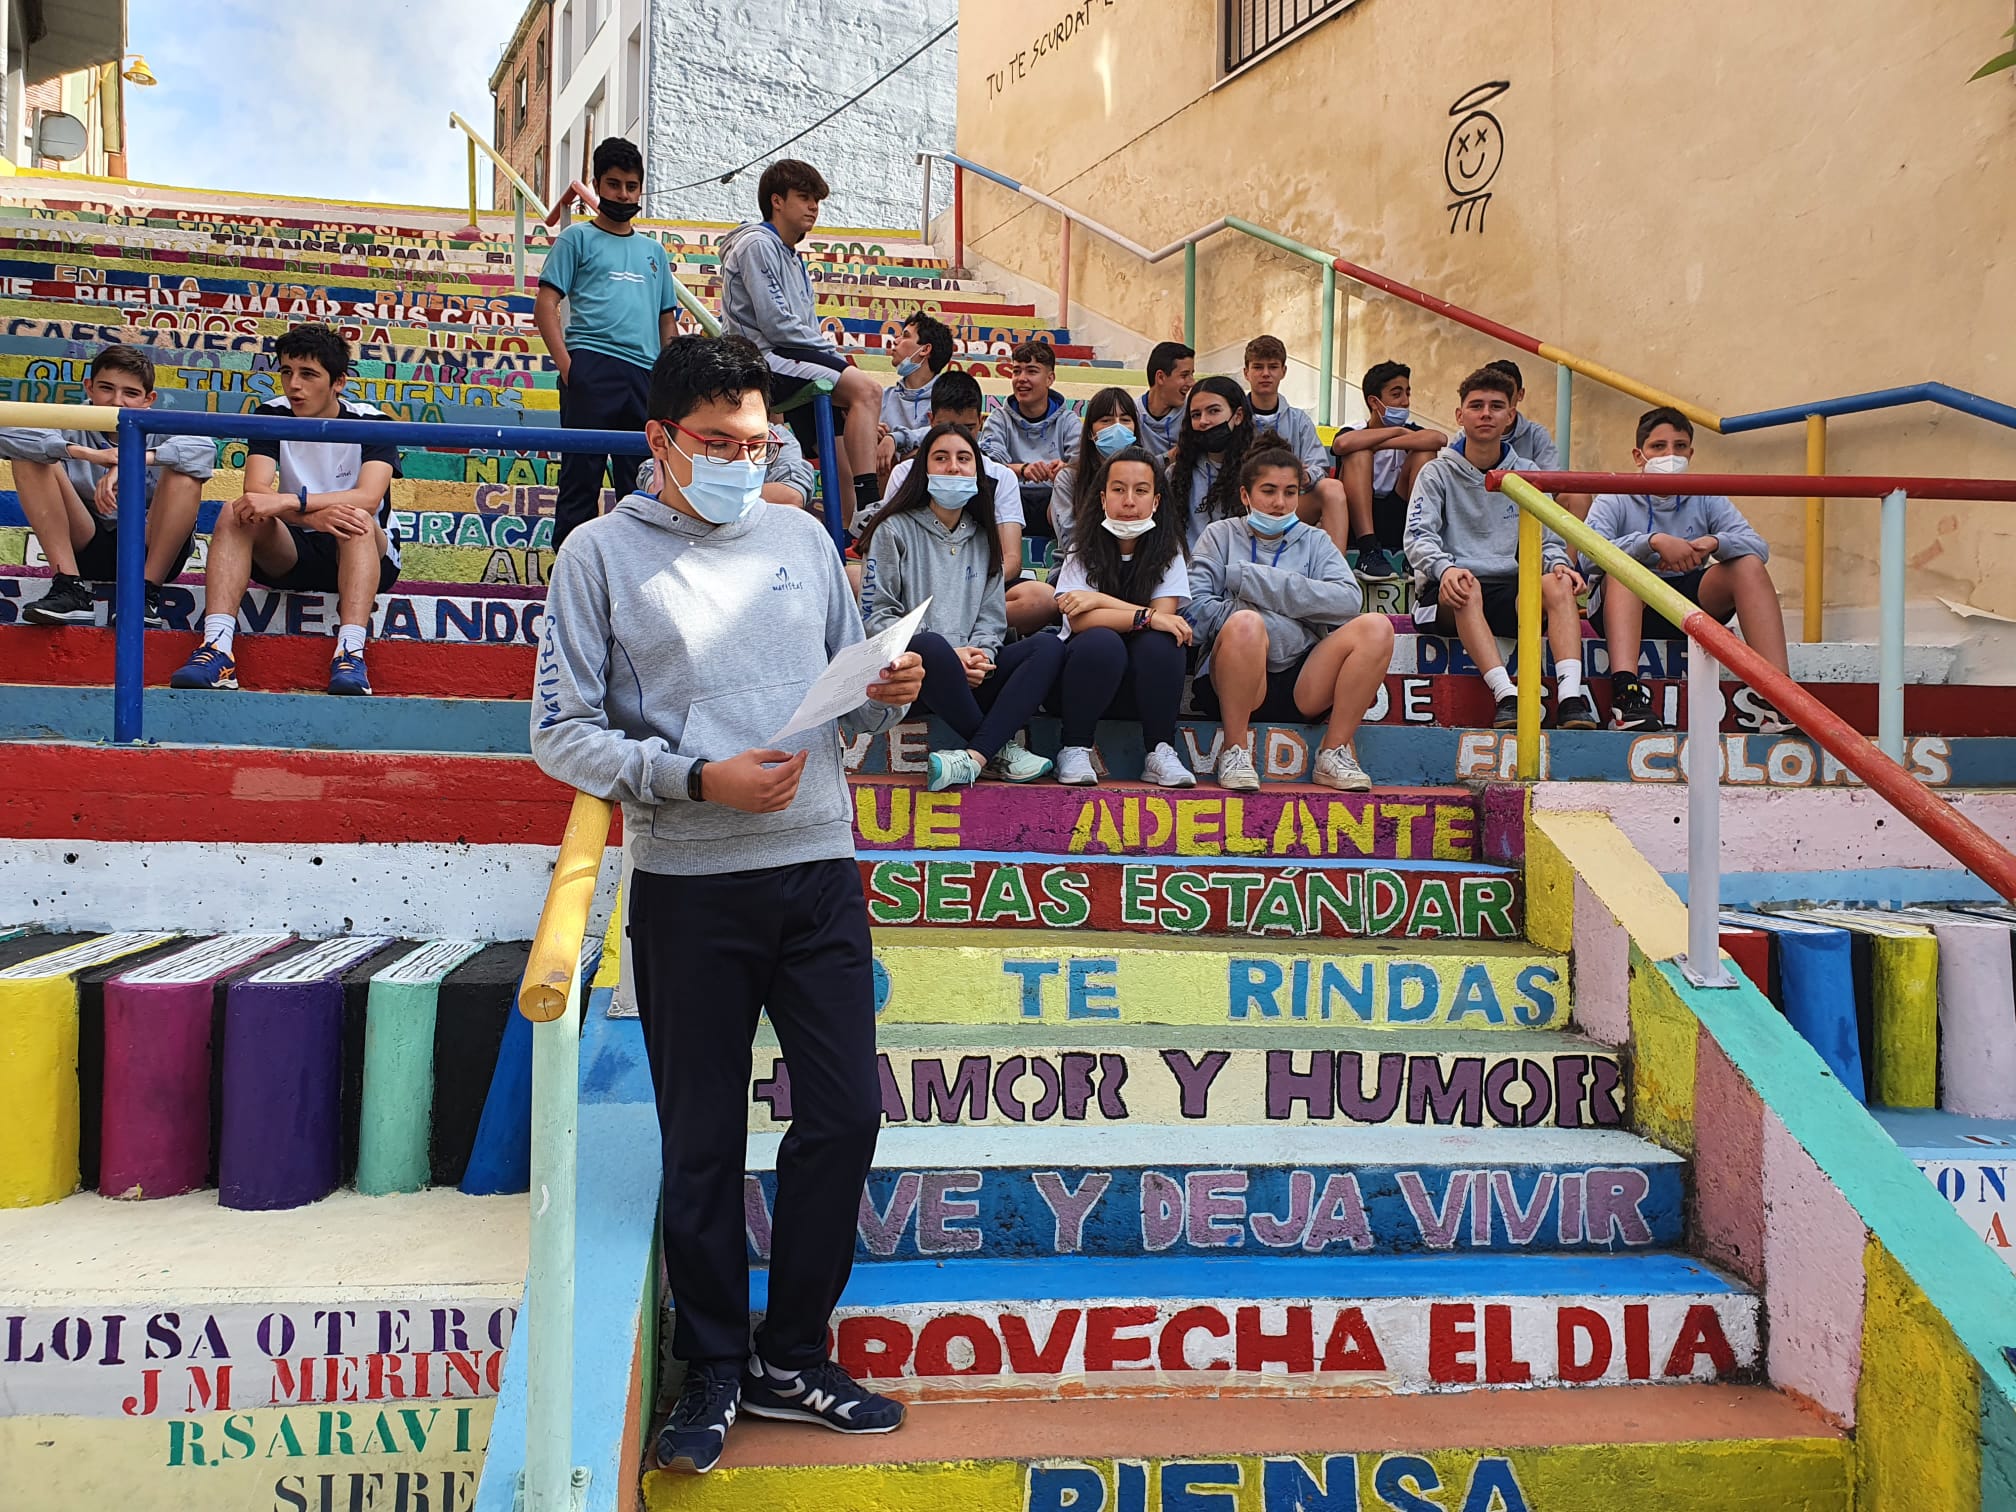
<point>338,102</point>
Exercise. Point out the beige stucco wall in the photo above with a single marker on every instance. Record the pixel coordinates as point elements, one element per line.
<point>1751,205</point>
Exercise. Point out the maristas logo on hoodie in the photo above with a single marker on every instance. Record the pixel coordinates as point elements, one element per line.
<point>785,581</point>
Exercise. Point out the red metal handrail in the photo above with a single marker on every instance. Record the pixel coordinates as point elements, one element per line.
<point>1763,485</point>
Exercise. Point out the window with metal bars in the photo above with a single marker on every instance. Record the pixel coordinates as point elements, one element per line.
<point>1253,26</point>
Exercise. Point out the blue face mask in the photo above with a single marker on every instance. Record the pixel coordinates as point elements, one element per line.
<point>1270,525</point>
<point>952,491</point>
<point>908,366</point>
<point>723,492</point>
<point>1115,438</point>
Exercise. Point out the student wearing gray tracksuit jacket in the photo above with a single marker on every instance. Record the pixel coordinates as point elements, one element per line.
<point>65,485</point>
<point>1276,609</point>
<point>1035,433</point>
<point>682,633</point>
<point>936,539</point>
<point>1462,540</point>
<point>767,297</point>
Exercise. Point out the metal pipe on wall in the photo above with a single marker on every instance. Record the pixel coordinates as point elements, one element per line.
<point>1703,962</point>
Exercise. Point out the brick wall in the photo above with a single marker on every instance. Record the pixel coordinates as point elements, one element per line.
<point>523,141</point>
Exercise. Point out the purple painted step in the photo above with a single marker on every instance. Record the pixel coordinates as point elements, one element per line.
<point>282,1111</point>
<point>154,1126</point>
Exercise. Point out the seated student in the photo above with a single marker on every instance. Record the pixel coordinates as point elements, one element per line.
<point>1463,543</point>
<point>934,538</point>
<point>1701,546</point>
<point>1378,463</point>
<point>956,400</point>
<point>1533,441</point>
<point>1111,424</point>
<point>1204,478</point>
<point>1122,590</point>
<point>68,484</point>
<point>921,351</point>
<point>1322,498</point>
<point>1035,433</point>
<point>315,517</point>
<point>1276,609</point>
<point>1172,369</point>
<point>766,295</point>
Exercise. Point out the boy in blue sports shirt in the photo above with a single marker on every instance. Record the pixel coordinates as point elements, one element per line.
<point>620,310</point>
<point>922,350</point>
<point>1703,547</point>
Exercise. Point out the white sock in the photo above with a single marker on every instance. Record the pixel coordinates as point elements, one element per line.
<point>1499,681</point>
<point>220,630</point>
<point>1568,678</point>
<point>350,640</point>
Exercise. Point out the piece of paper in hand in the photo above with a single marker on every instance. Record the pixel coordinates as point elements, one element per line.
<point>843,686</point>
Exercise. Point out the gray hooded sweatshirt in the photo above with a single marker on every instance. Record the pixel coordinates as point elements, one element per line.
<point>667,639</point>
<point>1631,520</point>
<point>1011,436</point>
<point>195,456</point>
<point>766,294</point>
<point>912,557</point>
<point>1453,520</point>
<point>1296,428</point>
<point>1299,583</point>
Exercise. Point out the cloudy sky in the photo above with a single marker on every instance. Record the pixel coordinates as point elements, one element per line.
<point>348,102</point>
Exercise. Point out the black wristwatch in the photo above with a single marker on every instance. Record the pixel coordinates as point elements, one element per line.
<point>693,780</point>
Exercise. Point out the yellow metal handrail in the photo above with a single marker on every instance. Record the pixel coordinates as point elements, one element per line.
<point>477,144</point>
<point>563,922</point>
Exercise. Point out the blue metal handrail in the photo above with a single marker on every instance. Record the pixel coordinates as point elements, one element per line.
<point>1877,399</point>
<point>136,425</point>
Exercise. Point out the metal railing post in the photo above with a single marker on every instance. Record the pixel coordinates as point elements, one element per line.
<point>1564,412</point>
<point>837,502</point>
<point>1890,635</point>
<point>1703,961</point>
<point>129,593</point>
<point>474,224</point>
<point>1063,272</point>
<point>1190,295</point>
<point>1326,367</point>
<point>549,1282</point>
<point>1814,608</point>
<point>1527,733</point>
<point>929,163</point>
<point>958,218</point>
<point>518,239</point>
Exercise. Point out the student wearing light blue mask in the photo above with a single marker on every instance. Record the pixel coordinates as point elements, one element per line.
<point>1112,424</point>
<point>921,351</point>
<point>682,632</point>
<point>935,539</point>
<point>1276,609</point>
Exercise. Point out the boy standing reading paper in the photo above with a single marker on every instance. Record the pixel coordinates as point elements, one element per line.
<point>682,634</point>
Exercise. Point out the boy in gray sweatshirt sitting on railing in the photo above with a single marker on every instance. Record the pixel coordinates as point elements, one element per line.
<point>1463,543</point>
<point>1703,547</point>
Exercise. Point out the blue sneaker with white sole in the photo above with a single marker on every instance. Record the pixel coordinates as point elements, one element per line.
<point>347,677</point>
<point>692,1438</point>
<point>210,667</point>
<point>823,1394</point>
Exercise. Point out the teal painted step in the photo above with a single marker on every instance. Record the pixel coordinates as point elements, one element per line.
<point>976,1194</point>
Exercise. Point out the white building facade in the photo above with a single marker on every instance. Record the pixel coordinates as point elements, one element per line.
<point>600,75</point>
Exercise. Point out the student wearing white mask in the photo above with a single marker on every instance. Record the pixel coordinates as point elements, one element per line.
<point>935,539</point>
<point>1276,610</point>
<point>1703,547</point>
<point>1121,592</point>
<point>682,632</point>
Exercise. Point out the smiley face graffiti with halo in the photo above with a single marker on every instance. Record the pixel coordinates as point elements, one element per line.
<point>1474,155</point>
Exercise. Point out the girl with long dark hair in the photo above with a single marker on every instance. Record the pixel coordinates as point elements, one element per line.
<point>1121,592</point>
<point>1112,424</point>
<point>1217,430</point>
<point>935,539</point>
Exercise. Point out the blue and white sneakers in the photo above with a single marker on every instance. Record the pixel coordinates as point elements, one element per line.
<point>210,667</point>
<point>692,1437</point>
<point>347,677</point>
<point>822,1393</point>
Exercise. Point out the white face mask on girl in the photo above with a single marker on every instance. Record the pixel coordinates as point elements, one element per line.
<point>1128,530</point>
<point>1671,462</point>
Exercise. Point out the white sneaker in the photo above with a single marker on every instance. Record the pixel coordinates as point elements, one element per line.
<point>1074,767</point>
<point>1015,762</point>
<point>1165,768</point>
<point>1235,770</point>
<point>1337,768</point>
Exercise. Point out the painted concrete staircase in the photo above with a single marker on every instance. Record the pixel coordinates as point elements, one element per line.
<point>1277,1173</point>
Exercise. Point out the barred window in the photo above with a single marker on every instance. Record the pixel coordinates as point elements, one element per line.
<point>1253,26</point>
